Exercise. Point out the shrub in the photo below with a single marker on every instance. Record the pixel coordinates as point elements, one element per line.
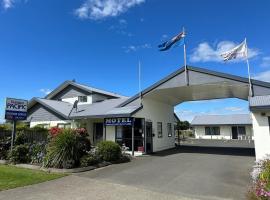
<point>63,150</point>
<point>84,145</point>
<point>109,151</point>
<point>19,154</point>
<point>37,152</point>
<point>4,148</point>
<point>21,138</point>
<point>89,160</point>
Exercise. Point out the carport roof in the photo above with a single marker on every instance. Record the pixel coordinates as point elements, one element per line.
<point>236,119</point>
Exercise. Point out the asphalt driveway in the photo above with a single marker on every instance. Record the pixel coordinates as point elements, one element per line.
<point>194,172</point>
<point>184,173</point>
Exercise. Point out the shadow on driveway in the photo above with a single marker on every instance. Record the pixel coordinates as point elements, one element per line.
<point>234,151</point>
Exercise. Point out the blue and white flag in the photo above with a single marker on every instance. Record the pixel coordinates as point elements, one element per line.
<point>178,39</point>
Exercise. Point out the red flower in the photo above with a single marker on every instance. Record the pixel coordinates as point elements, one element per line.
<point>54,131</point>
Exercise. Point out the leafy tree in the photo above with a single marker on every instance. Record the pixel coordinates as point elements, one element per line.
<point>183,125</point>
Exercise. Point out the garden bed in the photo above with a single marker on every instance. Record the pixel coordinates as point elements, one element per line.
<point>65,151</point>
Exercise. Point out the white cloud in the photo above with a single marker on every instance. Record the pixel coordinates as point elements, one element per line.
<point>263,76</point>
<point>45,91</point>
<point>204,52</point>
<point>100,9</point>
<point>265,61</point>
<point>133,48</point>
<point>7,4</point>
<point>234,109</point>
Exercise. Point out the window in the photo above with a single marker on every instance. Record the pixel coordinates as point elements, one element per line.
<point>159,129</point>
<point>241,130</point>
<point>82,99</point>
<point>63,125</point>
<point>169,128</point>
<point>44,125</point>
<point>213,130</point>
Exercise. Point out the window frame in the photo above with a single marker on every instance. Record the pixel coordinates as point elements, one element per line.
<point>169,129</point>
<point>212,130</point>
<point>43,125</point>
<point>82,97</point>
<point>64,124</point>
<point>159,130</point>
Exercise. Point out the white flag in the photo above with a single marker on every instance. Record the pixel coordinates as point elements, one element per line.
<point>239,51</point>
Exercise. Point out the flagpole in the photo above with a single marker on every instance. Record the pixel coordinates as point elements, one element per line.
<point>185,59</point>
<point>140,88</point>
<point>249,77</point>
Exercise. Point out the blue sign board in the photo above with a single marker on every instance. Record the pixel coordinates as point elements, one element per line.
<point>119,121</point>
<point>16,109</point>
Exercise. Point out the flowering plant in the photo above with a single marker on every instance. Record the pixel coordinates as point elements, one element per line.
<point>261,179</point>
<point>54,131</point>
<point>81,131</point>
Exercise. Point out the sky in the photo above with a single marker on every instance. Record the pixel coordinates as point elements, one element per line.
<point>99,43</point>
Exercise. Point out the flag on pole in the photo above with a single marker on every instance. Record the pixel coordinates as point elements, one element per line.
<point>175,40</point>
<point>239,51</point>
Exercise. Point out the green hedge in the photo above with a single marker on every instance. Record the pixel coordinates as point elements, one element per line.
<point>109,151</point>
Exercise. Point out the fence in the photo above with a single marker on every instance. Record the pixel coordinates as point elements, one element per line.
<point>30,135</point>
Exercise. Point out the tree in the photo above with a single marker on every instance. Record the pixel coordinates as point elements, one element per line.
<point>183,125</point>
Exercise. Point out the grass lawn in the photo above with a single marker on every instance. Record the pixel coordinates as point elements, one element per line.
<point>11,177</point>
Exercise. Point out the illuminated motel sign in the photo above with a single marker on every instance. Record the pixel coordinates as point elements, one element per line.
<point>119,121</point>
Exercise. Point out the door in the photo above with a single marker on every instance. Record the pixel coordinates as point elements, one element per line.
<point>149,137</point>
<point>234,132</point>
<point>98,132</point>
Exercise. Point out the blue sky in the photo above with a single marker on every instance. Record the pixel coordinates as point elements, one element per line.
<point>99,43</point>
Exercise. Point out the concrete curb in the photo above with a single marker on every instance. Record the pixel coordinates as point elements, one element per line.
<point>56,170</point>
<point>3,162</point>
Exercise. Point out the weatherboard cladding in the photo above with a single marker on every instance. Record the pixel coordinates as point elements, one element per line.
<point>69,92</point>
<point>40,113</point>
<point>237,119</point>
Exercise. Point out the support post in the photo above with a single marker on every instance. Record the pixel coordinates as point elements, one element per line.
<point>104,132</point>
<point>132,137</point>
<point>178,131</point>
<point>13,136</point>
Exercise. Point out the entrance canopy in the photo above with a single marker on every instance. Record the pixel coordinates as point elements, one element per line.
<point>203,85</point>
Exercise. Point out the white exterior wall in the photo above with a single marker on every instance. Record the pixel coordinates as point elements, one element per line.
<point>155,111</point>
<point>52,123</point>
<point>261,134</point>
<point>225,132</point>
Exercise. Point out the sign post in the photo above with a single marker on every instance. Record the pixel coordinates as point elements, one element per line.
<point>16,109</point>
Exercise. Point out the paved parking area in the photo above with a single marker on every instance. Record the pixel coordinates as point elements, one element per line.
<point>194,172</point>
<point>185,173</point>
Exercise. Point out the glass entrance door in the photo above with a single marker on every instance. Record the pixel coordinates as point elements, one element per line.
<point>149,137</point>
<point>98,132</point>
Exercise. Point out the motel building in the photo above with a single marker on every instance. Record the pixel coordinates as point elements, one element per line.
<point>226,127</point>
<point>144,123</point>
